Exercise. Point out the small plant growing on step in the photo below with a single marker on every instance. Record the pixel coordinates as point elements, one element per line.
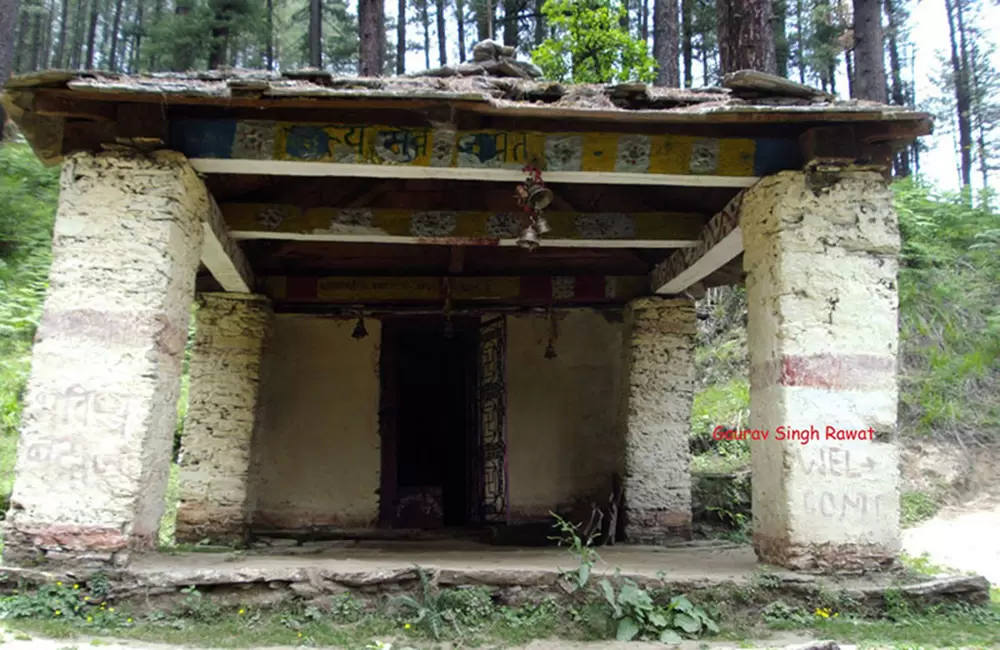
<point>580,548</point>
<point>638,616</point>
<point>429,611</point>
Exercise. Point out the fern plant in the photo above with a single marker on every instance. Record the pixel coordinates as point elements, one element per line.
<point>429,611</point>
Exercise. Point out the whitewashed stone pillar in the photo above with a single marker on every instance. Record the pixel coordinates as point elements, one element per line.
<point>101,402</point>
<point>224,375</point>
<point>658,387</point>
<point>821,288</point>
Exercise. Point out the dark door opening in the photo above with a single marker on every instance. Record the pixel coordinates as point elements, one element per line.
<point>428,425</point>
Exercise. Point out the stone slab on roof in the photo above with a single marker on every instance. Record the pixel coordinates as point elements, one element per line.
<point>743,93</point>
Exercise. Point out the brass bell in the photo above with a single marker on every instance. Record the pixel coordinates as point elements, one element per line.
<point>539,197</point>
<point>359,329</point>
<point>528,238</point>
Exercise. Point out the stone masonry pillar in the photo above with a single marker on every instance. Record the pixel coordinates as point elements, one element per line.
<point>821,289</point>
<point>224,373</point>
<point>658,387</point>
<point>101,402</point>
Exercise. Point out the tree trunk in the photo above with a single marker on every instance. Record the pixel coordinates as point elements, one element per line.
<point>511,12</point>
<point>92,34</point>
<point>645,23</point>
<point>269,49</point>
<point>800,41</point>
<point>686,47</point>
<point>115,26</point>
<point>371,18</point>
<point>19,60</point>
<point>316,34</point>
<point>401,37</point>
<point>897,94</point>
<point>57,58</point>
<point>746,39</point>
<point>851,72</point>
<point>220,39</point>
<point>665,42</point>
<point>35,49</point>
<point>425,21</point>
<point>157,13</point>
<point>8,21</point>
<point>869,51</point>
<point>441,34</point>
<point>704,67</point>
<point>962,97</point>
<point>484,19</point>
<point>460,21</point>
<point>539,23</point>
<point>780,9</point>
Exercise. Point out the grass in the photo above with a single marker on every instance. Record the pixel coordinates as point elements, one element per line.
<point>916,507</point>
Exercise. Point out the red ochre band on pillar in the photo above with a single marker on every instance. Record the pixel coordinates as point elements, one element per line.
<point>838,372</point>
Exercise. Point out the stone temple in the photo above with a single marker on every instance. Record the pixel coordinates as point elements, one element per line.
<point>387,340</point>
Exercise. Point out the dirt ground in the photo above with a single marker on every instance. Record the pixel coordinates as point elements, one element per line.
<point>965,534</point>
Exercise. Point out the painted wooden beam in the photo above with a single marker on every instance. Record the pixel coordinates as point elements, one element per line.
<point>319,149</point>
<point>525,290</point>
<point>720,242</point>
<point>222,256</point>
<point>569,229</point>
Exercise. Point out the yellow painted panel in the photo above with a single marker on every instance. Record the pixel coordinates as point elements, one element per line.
<point>600,150</point>
<point>671,154</point>
<point>471,224</point>
<point>347,288</point>
<point>485,288</point>
<point>736,157</point>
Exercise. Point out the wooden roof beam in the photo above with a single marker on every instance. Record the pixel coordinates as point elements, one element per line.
<point>720,242</point>
<point>451,228</point>
<point>222,256</point>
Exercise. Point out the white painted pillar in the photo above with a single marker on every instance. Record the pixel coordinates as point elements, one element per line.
<point>821,290</point>
<point>224,375</point>
<point>658,388</point>
<point>101,402</point>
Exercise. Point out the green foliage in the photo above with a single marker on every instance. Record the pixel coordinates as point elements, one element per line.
<point>27,206</point>
<point>197,606</point>
<point>579,548</point>
<point>83,604</point>
<point>589,45</point>
<point>780,615</point>
<point>429,612</point>
<point>949,291</point>
<point>637,616</point>
<point>916,507</point>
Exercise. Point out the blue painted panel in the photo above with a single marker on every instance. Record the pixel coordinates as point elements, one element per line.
<point>774,155</point>
<point>203,138</point>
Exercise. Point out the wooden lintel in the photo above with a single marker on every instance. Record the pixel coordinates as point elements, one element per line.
<point>222,256</point>
<point>720,242</point>
<point>143,124</point>
<point>57,106</point>
<point>513,290</point>
<point>372,150</point>
<point>570,229</point>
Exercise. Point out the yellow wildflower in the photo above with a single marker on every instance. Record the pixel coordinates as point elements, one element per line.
<point>58,613</point>
<point>86,598</point>
<point>90,619</point>
<point>59,584</point>
<point>300,634</point>
<point>242,611</point>
<point>76,586</point>
<point>111,609</point>
<point>406,627</point>
<point>128,620</point>
<point>823,613</point>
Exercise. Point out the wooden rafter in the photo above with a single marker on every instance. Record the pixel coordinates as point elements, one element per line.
<point>525,290</point>
<point>720,242</point>
<point>569,229</point>
<point>222,256</point>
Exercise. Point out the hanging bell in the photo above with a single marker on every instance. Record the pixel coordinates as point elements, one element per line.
<point>542,226</point>
<point>528,238</point>
<point>539,197</point>
<point>359,329</point>
<point>550,351</point>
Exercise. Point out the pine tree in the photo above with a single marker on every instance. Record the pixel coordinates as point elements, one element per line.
<point>665,42</point>
<point>869,52</point>
<point>371,36</point>
<point>746,37</point>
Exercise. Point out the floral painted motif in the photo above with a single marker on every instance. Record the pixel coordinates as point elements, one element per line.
<point>254,140</point>
<point>563,153</point>
<point>705,157</point>
<point>633,154</point>
<point>433,224</point>
<point>503,225</point>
